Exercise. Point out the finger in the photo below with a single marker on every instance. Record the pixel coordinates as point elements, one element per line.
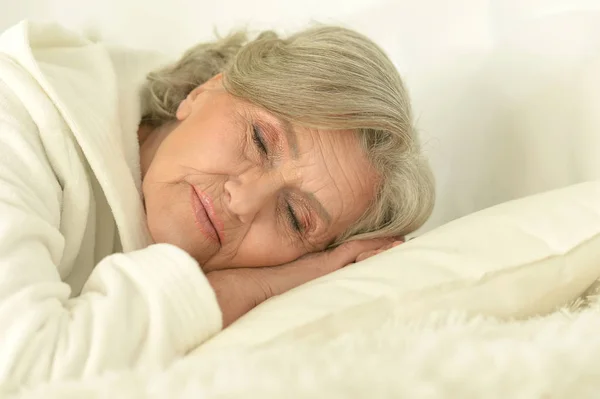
<point>392,245</point>
<point>368,254</point>
<point>284,277</point>
<point>348,252</point>
<point>364,255</point>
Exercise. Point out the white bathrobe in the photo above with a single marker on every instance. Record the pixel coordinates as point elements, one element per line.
<point>81,290</point>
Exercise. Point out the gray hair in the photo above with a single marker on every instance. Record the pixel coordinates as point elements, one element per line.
<point>324,77</point>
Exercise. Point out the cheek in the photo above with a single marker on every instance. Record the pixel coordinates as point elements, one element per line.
<point>216,147</point>
<point>207,149</point>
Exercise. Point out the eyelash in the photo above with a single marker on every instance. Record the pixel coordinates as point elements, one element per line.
<point>258,140</point>
<point>260,144</point>
<point>293,219</point>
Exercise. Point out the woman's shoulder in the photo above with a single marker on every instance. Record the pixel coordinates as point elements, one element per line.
<point>91,105</point>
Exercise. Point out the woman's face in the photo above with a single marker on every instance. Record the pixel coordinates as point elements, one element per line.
<point>235,186</point>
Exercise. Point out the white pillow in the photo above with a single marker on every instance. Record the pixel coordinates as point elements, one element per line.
<point>518,259</point>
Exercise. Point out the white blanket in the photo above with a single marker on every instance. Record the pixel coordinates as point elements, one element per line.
<point>443,356</point>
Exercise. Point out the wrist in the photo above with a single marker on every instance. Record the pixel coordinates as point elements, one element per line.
<point>238,291</point>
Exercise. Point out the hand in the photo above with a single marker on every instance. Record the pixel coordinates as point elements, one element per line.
<point>373,252</point>
<point>240,290</point>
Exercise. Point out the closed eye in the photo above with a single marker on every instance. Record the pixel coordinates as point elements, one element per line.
<point>259,140</point>
<point>293,219</point>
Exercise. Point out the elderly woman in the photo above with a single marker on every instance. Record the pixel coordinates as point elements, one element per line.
<point>139,216</point>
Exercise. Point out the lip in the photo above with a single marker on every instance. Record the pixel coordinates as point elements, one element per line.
<point>204,215</point>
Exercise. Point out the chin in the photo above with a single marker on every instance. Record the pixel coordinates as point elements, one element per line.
<point>197,248</point>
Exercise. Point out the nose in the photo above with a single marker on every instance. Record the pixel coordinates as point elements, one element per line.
<point>247,194</point>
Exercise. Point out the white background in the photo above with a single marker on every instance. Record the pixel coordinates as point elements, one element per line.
<point>504,91</point>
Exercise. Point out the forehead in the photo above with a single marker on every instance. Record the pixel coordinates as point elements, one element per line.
<point>334,157</point>
<point>335,169</point>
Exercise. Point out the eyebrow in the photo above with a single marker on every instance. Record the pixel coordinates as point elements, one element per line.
<point>290,135</point>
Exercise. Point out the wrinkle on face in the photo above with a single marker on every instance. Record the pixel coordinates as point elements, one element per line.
<point>214,146</point>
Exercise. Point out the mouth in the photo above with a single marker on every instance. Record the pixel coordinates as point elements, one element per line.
<point>204,216</point>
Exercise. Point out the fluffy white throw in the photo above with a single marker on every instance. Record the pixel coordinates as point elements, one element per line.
<point>443,356</point>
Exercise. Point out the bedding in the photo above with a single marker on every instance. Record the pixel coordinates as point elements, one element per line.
<point>443,356</point>
<point>501,303</point>
<point>518,260</point>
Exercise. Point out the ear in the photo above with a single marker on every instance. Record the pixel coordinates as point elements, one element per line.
<point>186,106</point>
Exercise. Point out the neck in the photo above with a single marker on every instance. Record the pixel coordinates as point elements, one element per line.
<point>150,138</point>
<point>144,131</point>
